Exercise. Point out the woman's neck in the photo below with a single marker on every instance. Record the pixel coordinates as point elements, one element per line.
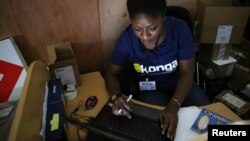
<point>162,37</point>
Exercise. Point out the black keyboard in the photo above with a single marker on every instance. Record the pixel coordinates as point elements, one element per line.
<point>139,128</point>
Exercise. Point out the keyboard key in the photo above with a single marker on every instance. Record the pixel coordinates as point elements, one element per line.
<point>138,128</point>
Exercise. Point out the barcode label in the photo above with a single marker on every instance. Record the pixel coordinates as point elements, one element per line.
<point>223,34</point>
<point>234,100</point>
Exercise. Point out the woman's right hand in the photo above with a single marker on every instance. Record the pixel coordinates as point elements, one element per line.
<point>169,121</point>
<point>121,107</point>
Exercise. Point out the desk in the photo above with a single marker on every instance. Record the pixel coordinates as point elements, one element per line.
<point>26,123</point>
<point>93,84</point>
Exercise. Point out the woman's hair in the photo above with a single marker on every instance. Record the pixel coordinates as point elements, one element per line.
<point>152,8</point>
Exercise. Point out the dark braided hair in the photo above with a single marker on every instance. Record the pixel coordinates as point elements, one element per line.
<point>152,8</point>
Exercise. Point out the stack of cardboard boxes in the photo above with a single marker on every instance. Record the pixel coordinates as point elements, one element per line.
<point>220,25</point>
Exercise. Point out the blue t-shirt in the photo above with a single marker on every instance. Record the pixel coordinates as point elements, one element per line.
<point>161,64</point>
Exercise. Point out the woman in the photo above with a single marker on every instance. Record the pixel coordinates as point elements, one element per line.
<point>161,51</point>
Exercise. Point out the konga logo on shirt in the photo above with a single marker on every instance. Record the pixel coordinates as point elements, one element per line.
<point>167,68</point>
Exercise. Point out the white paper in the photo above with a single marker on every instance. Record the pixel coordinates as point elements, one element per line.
<point>233,100</point>
<point>42,131</point>
<point>223,62</point>
<point>187,116</point>
<point>223,34</point>
<point>66,74</point>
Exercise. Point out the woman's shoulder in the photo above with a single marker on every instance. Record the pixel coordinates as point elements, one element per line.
<point>127,33</point>
<point>128,30</point>
<point>127,37</point>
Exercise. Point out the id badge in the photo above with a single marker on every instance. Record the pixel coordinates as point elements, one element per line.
<point>147,85</point>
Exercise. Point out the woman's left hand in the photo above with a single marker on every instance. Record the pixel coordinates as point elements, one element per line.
<point>169,120</point>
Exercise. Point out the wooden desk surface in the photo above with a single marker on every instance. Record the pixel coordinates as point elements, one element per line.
<point>93,84</point>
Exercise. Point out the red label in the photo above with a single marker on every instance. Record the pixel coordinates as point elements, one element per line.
<point>9,74</point>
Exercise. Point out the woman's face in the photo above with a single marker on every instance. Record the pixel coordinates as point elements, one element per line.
<point>148,30</point>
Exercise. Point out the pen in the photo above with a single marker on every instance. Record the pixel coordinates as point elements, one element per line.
<point>128,99</point>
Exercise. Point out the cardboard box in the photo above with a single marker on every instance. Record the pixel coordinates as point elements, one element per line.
<point>216,69</point>
<point>63,64</point>
<point>215,52</point>
<point>219,22</point>
<point>239,105</point>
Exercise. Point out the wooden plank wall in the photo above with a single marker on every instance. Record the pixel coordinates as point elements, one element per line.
<point>91,25</point>
<point>113,18</point>
<point>35,24</point>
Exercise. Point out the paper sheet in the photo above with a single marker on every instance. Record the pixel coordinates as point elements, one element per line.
<point>42,131</point>
<point>187,116</point>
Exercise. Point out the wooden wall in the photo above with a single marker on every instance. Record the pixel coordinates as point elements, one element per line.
<point>35,24</point>
<point>91,25</point>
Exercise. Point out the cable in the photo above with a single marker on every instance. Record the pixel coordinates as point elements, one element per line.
<point>78,134</point>
<point>79,106</point>
<point>74,114</point>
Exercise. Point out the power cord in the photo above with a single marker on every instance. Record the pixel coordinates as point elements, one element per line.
<point>78,107</point>
<point>78,134</point>
<point>77,116</point>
